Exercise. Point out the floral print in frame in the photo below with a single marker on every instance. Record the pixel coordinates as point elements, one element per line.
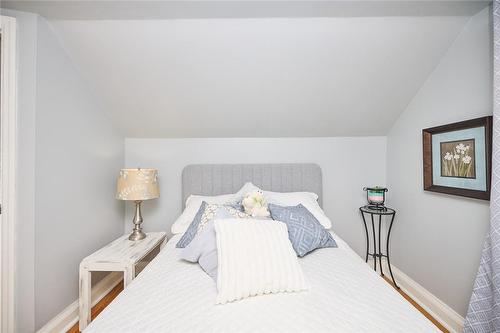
<point>457,158</point>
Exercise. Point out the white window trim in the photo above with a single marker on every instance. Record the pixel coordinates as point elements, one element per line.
<point>8,160</point>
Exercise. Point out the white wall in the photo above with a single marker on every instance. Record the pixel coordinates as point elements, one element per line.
<point>78,154</point>
<point>24,276</point>
<point>438,238</point>
<point>347,163</point>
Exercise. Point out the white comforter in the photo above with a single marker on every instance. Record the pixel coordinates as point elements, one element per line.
<point>346,295</point>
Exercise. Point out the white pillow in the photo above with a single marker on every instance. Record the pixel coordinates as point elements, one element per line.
<point>250,187</point>
<point>193,204</point>
<point>214,199</point>
<point>255,258</point>
<point>244,190</point>
<point>307,199</point>
<point>292,196</point>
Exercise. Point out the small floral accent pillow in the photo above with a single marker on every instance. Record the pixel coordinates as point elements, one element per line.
<point>255,204</point>
<point>207,213</point>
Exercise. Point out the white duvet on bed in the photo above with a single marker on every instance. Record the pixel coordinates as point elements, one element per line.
<point>345,295</point>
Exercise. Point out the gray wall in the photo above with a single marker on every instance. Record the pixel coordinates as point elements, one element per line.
<point>438,238</point>
<point>78,155</point>
<point>348,164</point>
<point>69,155</point>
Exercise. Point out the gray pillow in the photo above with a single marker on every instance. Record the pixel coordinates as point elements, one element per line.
<point>304,231</point>
<point>203,250</point>
<point>203,247</point>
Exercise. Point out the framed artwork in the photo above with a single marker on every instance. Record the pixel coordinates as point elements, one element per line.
<point>457,158</point>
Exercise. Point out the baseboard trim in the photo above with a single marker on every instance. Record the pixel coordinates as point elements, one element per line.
<point>69,316</point>
<point>448,317</point>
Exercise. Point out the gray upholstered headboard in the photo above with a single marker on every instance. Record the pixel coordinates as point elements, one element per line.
<point>216,179</point>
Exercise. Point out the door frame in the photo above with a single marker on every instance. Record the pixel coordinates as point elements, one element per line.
<point>8,160</point>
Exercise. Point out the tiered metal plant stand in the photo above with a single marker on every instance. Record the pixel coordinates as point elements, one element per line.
<point>378,211</point>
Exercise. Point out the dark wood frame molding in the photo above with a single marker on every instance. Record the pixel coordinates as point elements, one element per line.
<point>487,123</point>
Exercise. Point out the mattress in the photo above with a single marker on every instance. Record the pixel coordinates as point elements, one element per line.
<point>345,295</point>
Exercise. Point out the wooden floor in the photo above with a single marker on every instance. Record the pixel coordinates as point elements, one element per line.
<point>101,305</point>
<point>118,289</point>
<point>418,307</point>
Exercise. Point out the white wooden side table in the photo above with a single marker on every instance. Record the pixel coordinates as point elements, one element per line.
<point>121,255</point>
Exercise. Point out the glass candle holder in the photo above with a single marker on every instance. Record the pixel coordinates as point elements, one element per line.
<point>375,196</point>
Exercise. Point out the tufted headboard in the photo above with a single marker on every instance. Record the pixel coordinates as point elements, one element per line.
<point>216,179</point>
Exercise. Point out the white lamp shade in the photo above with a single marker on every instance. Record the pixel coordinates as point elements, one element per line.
<point>137,184</point>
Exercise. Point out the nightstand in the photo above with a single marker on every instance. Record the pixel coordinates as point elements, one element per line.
<point>121,255</point>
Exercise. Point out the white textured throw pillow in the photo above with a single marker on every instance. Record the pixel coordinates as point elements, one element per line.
<point>255,258</point>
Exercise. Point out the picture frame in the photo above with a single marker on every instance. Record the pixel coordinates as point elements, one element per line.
<point>457,158</point>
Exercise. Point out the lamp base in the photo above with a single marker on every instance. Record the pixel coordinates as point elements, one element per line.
<point>137,235</point>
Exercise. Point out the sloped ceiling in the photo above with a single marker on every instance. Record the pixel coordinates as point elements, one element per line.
<point>257,77</point>
<point>184,9</point>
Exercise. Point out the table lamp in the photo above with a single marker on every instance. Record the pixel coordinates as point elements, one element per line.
<point>137,185</point>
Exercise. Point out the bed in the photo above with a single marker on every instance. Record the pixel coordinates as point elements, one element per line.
<point>345,295</point>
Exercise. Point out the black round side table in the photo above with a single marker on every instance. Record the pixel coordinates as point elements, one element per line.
<point>382,211</point>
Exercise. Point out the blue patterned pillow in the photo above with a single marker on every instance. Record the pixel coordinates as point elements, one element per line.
<point>304,231</point>
<point>193,228</point>
<point>206,213</point>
